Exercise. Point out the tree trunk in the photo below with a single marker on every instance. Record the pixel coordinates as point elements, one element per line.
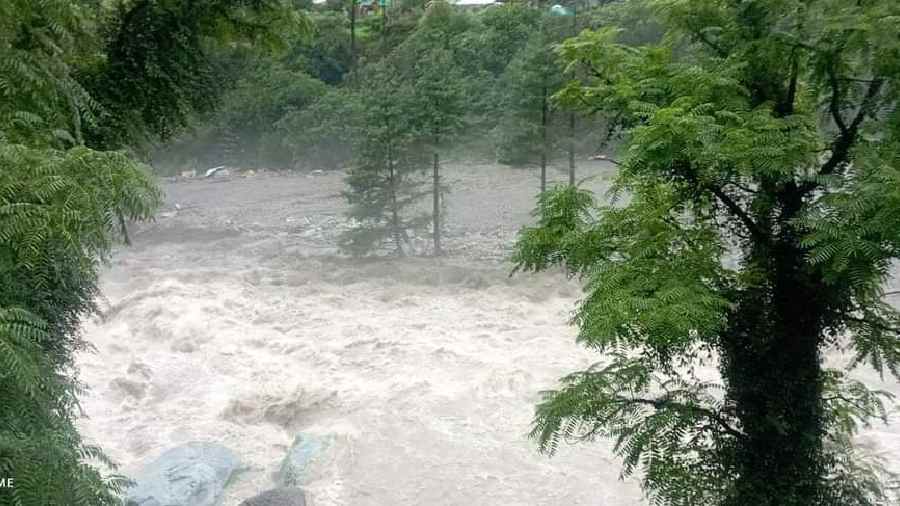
<point>436,201</point>
<point>543,139</point>
<point>777,391</point>
<point>572,149</point>
<point>572,114</point>
<point>384,22</point>
<point>772,367</point>
<point>353,5</point>
<point>771,355</point>
<point>124,228</point>
<point>396,233</point>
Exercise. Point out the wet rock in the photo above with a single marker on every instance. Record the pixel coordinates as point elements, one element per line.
<point>193,474</point>
<point>297,463</point>
<point>278,497</point>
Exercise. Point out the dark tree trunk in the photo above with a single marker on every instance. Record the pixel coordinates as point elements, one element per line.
<point>544,139</point>
<point>383,22</point>
<point>436,201</point>
<point>353,6</point>
<point>572,114</point>
<point>396,233</point>
<point>774,378</point>
<point>572,149</point>
<point>124,228</point>
<point>772,367</point>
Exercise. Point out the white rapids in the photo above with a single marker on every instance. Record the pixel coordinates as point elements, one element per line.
<point>231,320</point>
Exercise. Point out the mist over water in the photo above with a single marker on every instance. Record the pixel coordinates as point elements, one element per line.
<point>232,320</point>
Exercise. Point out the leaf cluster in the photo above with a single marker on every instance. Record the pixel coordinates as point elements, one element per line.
<point>761,156</point>
<point>60,213</point>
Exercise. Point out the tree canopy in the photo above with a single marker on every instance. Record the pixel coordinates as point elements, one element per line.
<point>756,228</point>
<point>79,80</point>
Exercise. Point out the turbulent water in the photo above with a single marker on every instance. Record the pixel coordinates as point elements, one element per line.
<point>232,320</point>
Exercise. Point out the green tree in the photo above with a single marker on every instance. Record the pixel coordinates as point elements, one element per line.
<point>155,72</point>
<point>764,133</point>
<point>502,33</point>
<point>329,53</point>
<point>262,95</point>
<point>325,133</point>
<point>40,48</point>
<point>491,40</point>
<point>530,130</point>
<point>382,185</point>
<point>431,57</point>
<point>59,214</point>
<point>256,88</point>
<point>63,207</point>
<point>438,90</point>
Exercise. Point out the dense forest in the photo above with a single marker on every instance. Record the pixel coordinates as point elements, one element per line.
<point>409,82</point>
<point>756,222</point>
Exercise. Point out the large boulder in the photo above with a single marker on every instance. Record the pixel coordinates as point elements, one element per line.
<point>278,497</point>
<point>296,464</point>
<point>193,474</point>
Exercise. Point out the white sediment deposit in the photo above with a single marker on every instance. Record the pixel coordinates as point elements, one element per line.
<point>231,321</point>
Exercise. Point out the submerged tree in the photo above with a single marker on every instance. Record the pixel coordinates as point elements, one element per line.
<point>762,170</point>
<point>431,59</point>
<point>530,130</point>
<point>442,106</point>
<point>383,187</point>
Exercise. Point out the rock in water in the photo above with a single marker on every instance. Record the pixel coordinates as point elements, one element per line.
<point>193,474</point>
<point>278,497</point>
<point>296,463</point>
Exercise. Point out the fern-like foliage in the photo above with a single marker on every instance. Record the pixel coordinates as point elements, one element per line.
<point>41,101</point>
<point>39,446</point>
<point>760,219</point>
<point>855,478</point>
<point>156,72</point>
<point>654,282</point>
<point>59,218</point>
<point>671,429</point>
<point>106,75</point>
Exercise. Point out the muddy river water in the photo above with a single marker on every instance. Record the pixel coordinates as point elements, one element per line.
<point>232,320</point>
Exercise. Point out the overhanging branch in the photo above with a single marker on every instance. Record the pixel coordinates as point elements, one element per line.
<point>840,148</point>
<point>736,210</point>
<point>834,105</point>
<point>880,325</point>
<point>702,37</point>
<point>665,403</point>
